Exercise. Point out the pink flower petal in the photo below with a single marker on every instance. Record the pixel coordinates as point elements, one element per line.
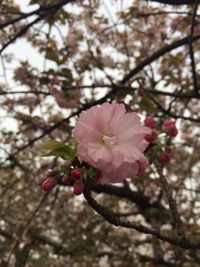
<point>112,141</point>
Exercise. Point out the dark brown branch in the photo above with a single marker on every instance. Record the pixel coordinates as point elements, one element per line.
<point>20,33</point>
<point>59,248</point>
<point>25,228</point>
<point>25,92</point>
<point>157,55</point>
<point>123,192</point>
<point>174,2</point>
<point>171,200</point>
<point>40,11</point>
<point>191,51</point>
<point>15,160</point>
<point>115,220</point>
<point>99,86</point>
<point>45,12</point>
<point>161,262</point>
<point>168,113</point>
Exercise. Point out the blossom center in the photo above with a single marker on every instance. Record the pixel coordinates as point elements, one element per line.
<point>109,140</point>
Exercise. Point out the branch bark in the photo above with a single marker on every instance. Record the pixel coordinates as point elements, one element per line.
<point>110,217</point>
<point>174,2</point>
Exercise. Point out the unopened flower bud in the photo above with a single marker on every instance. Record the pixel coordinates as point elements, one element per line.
<point>152,136</point>
<point>150,122</point>
<point>65,180</point>
<point>48,184</point>
<point>79,188</point>
<point>169,126</point>
<point>50,173</point>
<point>164,158</point>
<point>168,150</point>
<point>76,174</point>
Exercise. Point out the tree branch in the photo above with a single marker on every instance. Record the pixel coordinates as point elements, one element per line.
<point>171,200</point>
<point>115,220</point>
<point>157,55</point>
<point>40,11</point>
<point>191,51</point>
<point>174,2</point>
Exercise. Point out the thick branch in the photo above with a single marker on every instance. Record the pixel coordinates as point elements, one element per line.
<point>174,2</point>
<point>40,11</point>
<point>157,55</point>
<point>191,50</point>
<point>143,202</point>
<point>115,220</point>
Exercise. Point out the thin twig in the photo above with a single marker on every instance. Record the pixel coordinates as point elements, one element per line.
<point>39,11</point>
<point>20,33</point>
<point>22,232</point>
<point>191,51</point>
<point>171,200</point>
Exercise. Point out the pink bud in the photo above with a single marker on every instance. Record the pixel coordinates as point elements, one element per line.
<point>65,180</point>
<point>48,184</point>
<point>76,174</point>
<point>164,158</point>
<point>172,131</point>
<point>150,122</point>
<point>169,126</point>
<point>78,188</point>
<point>168,150</point>
<point>152,136</point>
<point>50,173</point>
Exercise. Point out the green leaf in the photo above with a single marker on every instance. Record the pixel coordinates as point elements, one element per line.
<point>58,149</point>
<point>147,104</point>
<point>52,144</point>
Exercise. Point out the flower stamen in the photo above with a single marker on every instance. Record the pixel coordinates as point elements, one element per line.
<point>109,140</point>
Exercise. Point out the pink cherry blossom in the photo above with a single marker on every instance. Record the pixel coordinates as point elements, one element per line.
<point>112,141</point>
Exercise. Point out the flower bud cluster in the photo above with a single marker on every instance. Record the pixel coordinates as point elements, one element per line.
<point>71,176</point>
<point>169,127</point>
<point>55,177</point>
<point>151,123</point>
<point>79,185</point>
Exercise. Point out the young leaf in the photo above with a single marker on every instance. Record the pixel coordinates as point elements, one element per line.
<point>58,149</point>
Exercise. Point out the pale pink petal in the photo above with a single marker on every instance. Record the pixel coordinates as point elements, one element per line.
<point>98,151</point>
<point>112,141</point>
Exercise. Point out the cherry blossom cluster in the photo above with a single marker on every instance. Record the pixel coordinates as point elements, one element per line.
<point>110,147</point>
